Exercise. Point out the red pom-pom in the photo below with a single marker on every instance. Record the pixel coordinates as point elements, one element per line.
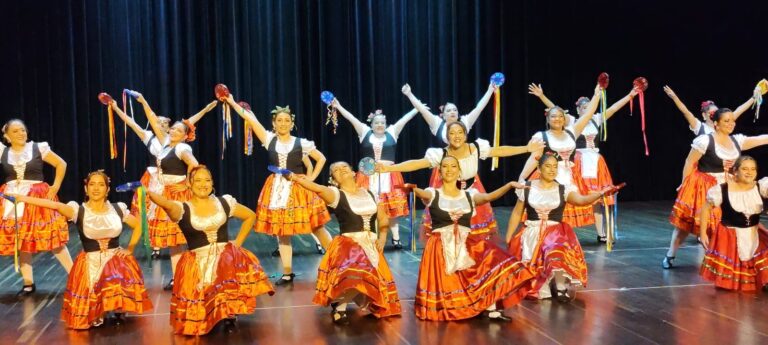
<point>640,83</point>
<point>245,105</point>
<point>221,91</point>
<point>105,98</point>
<point>603,80</point>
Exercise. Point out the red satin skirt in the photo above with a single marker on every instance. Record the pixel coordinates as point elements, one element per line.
<point>40,229</point>
<point>723,266</point>
<point>304,212</point>
<point>690,200</point>
<point>603,179</point>
<point>396,201</point>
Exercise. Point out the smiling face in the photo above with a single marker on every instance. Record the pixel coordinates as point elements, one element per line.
<point>341,172</point>
<point>746,171</point>
<point>283,123</point>
<point>456,134</point>
<point>97,187</point>
<point>548,168</point>
<point>16,133</point>
<point>556,118</point>
<point>201,182</point>
<point>450,113</point>
<point>725,123</point>
<point>178,132</point>
<point>165,123</point>
<point>449,169</point>
<point>379,124</point>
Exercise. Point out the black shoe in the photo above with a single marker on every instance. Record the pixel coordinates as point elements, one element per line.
<point>229,325</point>
<point>397,244</point>
<point>668,262</point>
<point>26,290</point>
<point>169,286</point>
<point>276,253</point>
<point>283,281</point>
<point>320,249</point>
<point>498,316</point>
<point>119,319</point>
<point>565,296</point>
<point>155,254</point>
<point>340,317</point>
<point>602,239</point>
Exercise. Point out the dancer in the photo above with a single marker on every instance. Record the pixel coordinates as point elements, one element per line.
<point>737,250</point>
<point>547,243</point>
<point>378,141</point>
<point>594,170</point>
<point>285,209</point>
<point>707,165</point>
<point>216,279</point>
<point>561,138</point>
<point>449,113</point>
<point>354,269</point>
<point>469,156</point>
<point>462,276</point>
<point>708,109</point>
<point>37,229</point>
<point>105,277</point>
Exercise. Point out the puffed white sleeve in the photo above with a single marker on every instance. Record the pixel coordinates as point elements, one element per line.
<point>715,195</point>
<point>431,191</point>
<point>181,207</point>
<point>75,210</point>
<point>569,188</point>
<point>124,210</point>
<point>307,146</point>
<point>433,156</point>
<point>435,125</point>
<point>269,135</point>
<point>520,194</point>
<point>740,138</point>
<point>231,202</point>
<point>485,148</point>
<point>700,143</point>
<point>762,186</point>
<point>180,149</point>
<point>696,127</point>
<point>44,148</point>
<point>336,197</point>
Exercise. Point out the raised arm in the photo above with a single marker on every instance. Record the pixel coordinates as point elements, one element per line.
<point>199,116</point>
<point>514,220</point>
<point>583,120</point>
<point>250,119</point>
<point>475,113</point>
<point>360,127</point>
<point>483,198</point>
<point>319,158</point>
<point>62,208</point>
<point>248,218</point>
<point>325,193</point>
<point>172,208</point>
<point>152,117</point>
<point>692,120</point>
<point>407,166</point>
<point>400,124</point>
<point>537,91</point>
<point>61,169</point>
<point>742,108</point>
<point>619,104</point>
<point>129,121</point>
<point>506,151</point>
<point>752,142</point>
<point>422,194</point>
<point>431,119</point>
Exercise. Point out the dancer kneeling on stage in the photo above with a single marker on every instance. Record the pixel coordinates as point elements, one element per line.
<point>215,279</point>
<point>547,243</point>
<point>463,276</point>
<point>104,278</point>
<point>737,249</point>
<point>354,268</point>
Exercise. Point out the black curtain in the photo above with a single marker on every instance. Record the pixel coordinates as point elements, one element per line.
<point>58,55</point>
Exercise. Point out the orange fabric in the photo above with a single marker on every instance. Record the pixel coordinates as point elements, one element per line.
<point>496,279</point>
<point>163,232</point>
<point>559,249</point>
<point>690,199</point>
<point>304,212</point>
<point>722,265</point>
<point>120,288</point>
<point>396,201</point>
<point>346,267</point>
<point>483,222</point>
<point>239,279</point>
<point>603,179</point>
<point>40,229</point>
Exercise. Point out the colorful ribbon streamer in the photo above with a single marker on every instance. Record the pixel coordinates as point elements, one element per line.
<point>762,87</point>
<point>496,125</point>
<point>411,219</point>
<point>603,109</point>
<point>226,127</point>
<point>141,194</point>
<point>112,136</point>
<point>248,143</point>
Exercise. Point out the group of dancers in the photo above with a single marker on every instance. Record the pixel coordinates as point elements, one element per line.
<point>463,273</point>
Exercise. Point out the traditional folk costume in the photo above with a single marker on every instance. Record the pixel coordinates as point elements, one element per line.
<point>594,171</point>
<point>382,149</point>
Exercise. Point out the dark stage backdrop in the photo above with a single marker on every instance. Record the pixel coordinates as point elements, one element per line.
<point>58,55</point>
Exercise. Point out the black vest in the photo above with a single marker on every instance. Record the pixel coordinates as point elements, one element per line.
<point>441,140</point>
<point>701,129</point>
<point>581,141</point>
<point>555,215</point>
<point>548,148</point>
<point>152,158</point>
<point>387,149</point>
<point>196,238</point>
<point>710,162</point>
<point>33,170</point>
<point>293,162</point>
<point>350,221</point>
<point>91,245</point>
<point>733,218</point>
<point>442,218</point>
<point>470,181</point>
<point>171,164</point>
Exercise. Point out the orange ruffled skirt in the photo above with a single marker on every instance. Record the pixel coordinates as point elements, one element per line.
<point>304,212</point>
<point>239,279</point>
<point>690,200</point>
<point>396,201</point>
<point>559,250</point>
<point>346,267</point>
<point>120,288</point>
<point>40,229</point>
<point>496,278</point>
<point>722,265</point>
<point>163,232</point>
<point>482,223</point>
<point>603,179</point>
<point>576,216</point>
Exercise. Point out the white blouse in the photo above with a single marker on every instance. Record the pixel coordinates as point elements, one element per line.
<point>749,203</point>
<point>99,226</point>
<point>543,201</point>
<point>442,136</point>
<point>26,154</point>
<point>455,252</point>
<point>697,127</point>
<point>285,148</point>
<point>565,147</point>
<point>468,164</point>
<point>361,204</point>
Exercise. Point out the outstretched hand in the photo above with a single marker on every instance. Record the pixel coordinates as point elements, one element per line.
<point>518,185</point>
<point>535,90</point>
<point>210,106</point>
<point>381,168</point>
<point>669,92</point>
<point>406,90</point>
<point>535,145</point>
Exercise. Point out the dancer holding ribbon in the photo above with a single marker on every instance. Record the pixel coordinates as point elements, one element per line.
<point>546,242</point>
<point>105,277</point>
<point>708,109</point>
<point>708,164</point>
<point>378,141</point>
<point>463,276</point>
<point>28,229</point>
<point>216,279</point>
<point>284,208</point>
<point>594,170</point>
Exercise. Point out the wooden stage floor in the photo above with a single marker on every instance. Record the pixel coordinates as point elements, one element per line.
<point>630,299</point>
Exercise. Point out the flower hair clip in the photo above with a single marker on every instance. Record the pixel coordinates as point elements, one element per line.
<point>374,114</point>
